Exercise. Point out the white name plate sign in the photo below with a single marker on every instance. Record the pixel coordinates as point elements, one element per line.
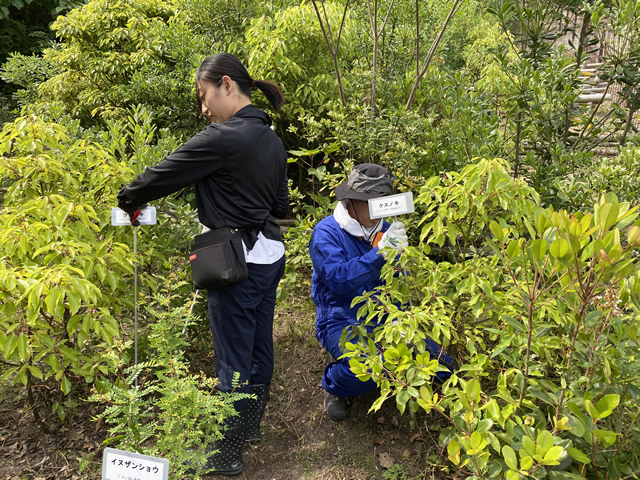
<point>391,206</point>
<point>123,465</point>
<point>120,218</point>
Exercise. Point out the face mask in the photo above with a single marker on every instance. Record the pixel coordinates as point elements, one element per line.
<point>351,225</point>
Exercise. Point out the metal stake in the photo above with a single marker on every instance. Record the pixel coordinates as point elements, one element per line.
<point>120,218</point>
<point>135,300</point>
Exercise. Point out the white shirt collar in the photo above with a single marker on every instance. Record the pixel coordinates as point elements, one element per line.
<point>351,225</point>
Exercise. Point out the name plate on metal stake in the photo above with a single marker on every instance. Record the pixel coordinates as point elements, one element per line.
<point>391,206</point>
<point>123,465</point>
<point>120,218</point>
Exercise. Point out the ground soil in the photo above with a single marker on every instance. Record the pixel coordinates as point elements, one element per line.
<point>300,440</point>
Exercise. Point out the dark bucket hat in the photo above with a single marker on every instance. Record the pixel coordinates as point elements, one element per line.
<point>366,181</point>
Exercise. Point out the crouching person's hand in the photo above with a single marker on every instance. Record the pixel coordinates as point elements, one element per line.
<point>395,237</point>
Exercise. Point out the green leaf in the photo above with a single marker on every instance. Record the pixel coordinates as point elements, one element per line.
<point>112,278</point>
<point>517,326</point>
<point>577,425</point>
<point>51,301</point>
<point>75,301</point>
<point>544,441</point>
<point>10,345</point>
<point>607,215</point>
<point>633,236</point>
<point>510,458</point>
<point>45,340</point>
<point>35,371</point>
<point>476,440</point>
<point>591,410</point>
<point>72,325</point>
<point>538,248</point>
<point>554,475</point>
<point>82,338</point>
<point>453,449</point>
<point>529,445</point>
<point>23,347</point>
<point>578,455</point>
<point>473,389</point>
<point>552,455</point>
<point>65,385</point>
<point>526,463</point>
<point>101,270</point>
<point>9,310</point>
<point>559,248</point>
<point>513,248</point>
<point>607,404</point>
<point>8,373</point>
<point>484,425</point>
<point>607,437</point>
<point>494,470</point>
<point>497,231</point>
<point>22,375</point>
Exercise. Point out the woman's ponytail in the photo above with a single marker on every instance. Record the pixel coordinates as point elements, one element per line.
<point>213,68</point>
<point>272,92</point>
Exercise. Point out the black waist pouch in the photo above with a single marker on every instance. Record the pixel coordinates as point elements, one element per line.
<point>217,258</point>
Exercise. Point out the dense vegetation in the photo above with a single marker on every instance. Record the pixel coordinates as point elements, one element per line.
<point>523,258</point>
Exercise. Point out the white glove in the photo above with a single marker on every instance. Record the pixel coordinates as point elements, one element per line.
<point>395,237</point>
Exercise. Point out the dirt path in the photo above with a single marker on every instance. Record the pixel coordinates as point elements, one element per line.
<point>300,441</point>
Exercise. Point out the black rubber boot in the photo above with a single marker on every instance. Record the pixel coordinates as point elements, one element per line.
<point>228,459</point>
<point>336,407</point>
<point>255,411</point>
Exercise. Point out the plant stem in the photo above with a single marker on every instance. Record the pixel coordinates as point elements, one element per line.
<point>32,404</point>
<point>427,61</point>
<point>333,49</point>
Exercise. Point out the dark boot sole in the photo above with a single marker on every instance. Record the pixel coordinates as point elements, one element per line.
<point>236,471</point>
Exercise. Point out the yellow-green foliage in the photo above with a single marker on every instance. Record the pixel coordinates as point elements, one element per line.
<point>60,266</point>
<point>539,309</point>
<point>289,48</point>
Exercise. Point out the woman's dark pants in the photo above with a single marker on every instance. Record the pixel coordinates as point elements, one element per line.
<point>241,319</point>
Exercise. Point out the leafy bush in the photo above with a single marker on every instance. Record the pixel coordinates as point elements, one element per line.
<point>172,413</point>
<point>65,271</point>
<point>608,174</point>
<point>450,127</point>
<point>60,267</point>
<point>287,46</point>
<point>24,24</point>
<point>540,310</point>
<point>539,83</point>
<point>112,56</point>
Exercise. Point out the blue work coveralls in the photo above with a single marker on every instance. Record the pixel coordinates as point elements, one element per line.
<point>345,266</point>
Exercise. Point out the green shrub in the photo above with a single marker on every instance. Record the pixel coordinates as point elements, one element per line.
<point>608,174</point>
<point>113,56</point>
<point>60,267</point>
<point>65,271</point>
<point>159,407</point>
<point>539,309</point>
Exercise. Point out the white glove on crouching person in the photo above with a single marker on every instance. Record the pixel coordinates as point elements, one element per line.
<point>395,237</point>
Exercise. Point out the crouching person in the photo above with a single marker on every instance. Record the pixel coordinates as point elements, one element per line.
<point>346,253</point>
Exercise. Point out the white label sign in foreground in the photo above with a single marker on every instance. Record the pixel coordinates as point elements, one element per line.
<point>391,206</point>
<point>120,218</point>
<point>122,465</point>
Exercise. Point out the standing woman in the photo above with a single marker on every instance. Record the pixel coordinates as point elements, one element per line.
<point>239,168</point>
